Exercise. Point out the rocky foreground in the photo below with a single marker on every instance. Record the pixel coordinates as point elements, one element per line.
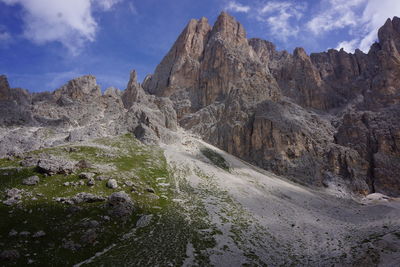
<point>114,178</point>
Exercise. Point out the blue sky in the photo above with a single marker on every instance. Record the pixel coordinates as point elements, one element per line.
<point>44,43</point>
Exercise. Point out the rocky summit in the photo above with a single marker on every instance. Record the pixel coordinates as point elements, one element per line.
<point>231,153</point>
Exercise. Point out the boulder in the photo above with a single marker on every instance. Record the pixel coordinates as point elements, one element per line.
<point>120,204</point>
<point>112,183</point>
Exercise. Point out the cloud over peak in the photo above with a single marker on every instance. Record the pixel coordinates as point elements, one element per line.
<point>237,7</point>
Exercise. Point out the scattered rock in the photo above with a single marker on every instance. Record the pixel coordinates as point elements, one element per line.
<point>67,184</point>
<point>90,182</point>
<point>82,197</point>
<point>13,195</point>
<point>86,175</point>
<point>112,183</point>
<point>39,234</point>
<point>129,183</point>
<point>83,164</point>
<point>33,180</point>
<point>24,233</point>
<point>120,204</point>
<point>12,233</point>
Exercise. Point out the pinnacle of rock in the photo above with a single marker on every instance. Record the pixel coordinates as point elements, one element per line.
<point>5,92</point>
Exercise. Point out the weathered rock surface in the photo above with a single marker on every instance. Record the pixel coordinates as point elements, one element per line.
<point>112,183</point>
<point>120,204</point>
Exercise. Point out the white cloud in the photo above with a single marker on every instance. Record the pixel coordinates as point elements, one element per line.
<point>107,4</point>
<point>362,18</point>
<point>237,7</point>
<point>338,14</point>
<point>348,46</point>
<point>374,16</point>
<point>69,22</point>
<point>281,18</point>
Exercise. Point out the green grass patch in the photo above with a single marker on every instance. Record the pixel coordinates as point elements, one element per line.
<point>215,158</point>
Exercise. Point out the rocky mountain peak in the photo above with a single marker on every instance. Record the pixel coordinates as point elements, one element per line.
<point>229,29</point>
<point>389,36</point>
<point>80,88</point>
<point>180,62</point>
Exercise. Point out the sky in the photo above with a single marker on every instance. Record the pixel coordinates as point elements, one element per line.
<point>45,43</point>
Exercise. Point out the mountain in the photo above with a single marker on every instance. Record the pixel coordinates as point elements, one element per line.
<point>232,153</point>
<point>322,119</point>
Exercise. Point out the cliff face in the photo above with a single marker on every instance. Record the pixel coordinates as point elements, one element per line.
<point>328,119</point>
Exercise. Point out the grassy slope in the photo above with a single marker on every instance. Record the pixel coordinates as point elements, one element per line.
<point>125,159</point>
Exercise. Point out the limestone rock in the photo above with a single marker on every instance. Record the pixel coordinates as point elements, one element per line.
<point>79,88</point>
<point>53,165</point>
<point>120,204</point>
<point>112,183</point>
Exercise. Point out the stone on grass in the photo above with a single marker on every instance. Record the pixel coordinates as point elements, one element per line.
<point>39,234</point>
<point>120,204</point>
<point>112,183</point>
<point>90,182</point>
<point>53,165</point>
<point>33,180</point>
<point>12,233</point>
<point>83,164</point>
<point>82,197</point>
<point>86,175</point>
<point>14,195</point>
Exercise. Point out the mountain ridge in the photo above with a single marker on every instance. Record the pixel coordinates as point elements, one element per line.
<point>324,119</point>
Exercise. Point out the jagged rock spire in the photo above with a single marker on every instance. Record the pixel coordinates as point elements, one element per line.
<point>5,92</point>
